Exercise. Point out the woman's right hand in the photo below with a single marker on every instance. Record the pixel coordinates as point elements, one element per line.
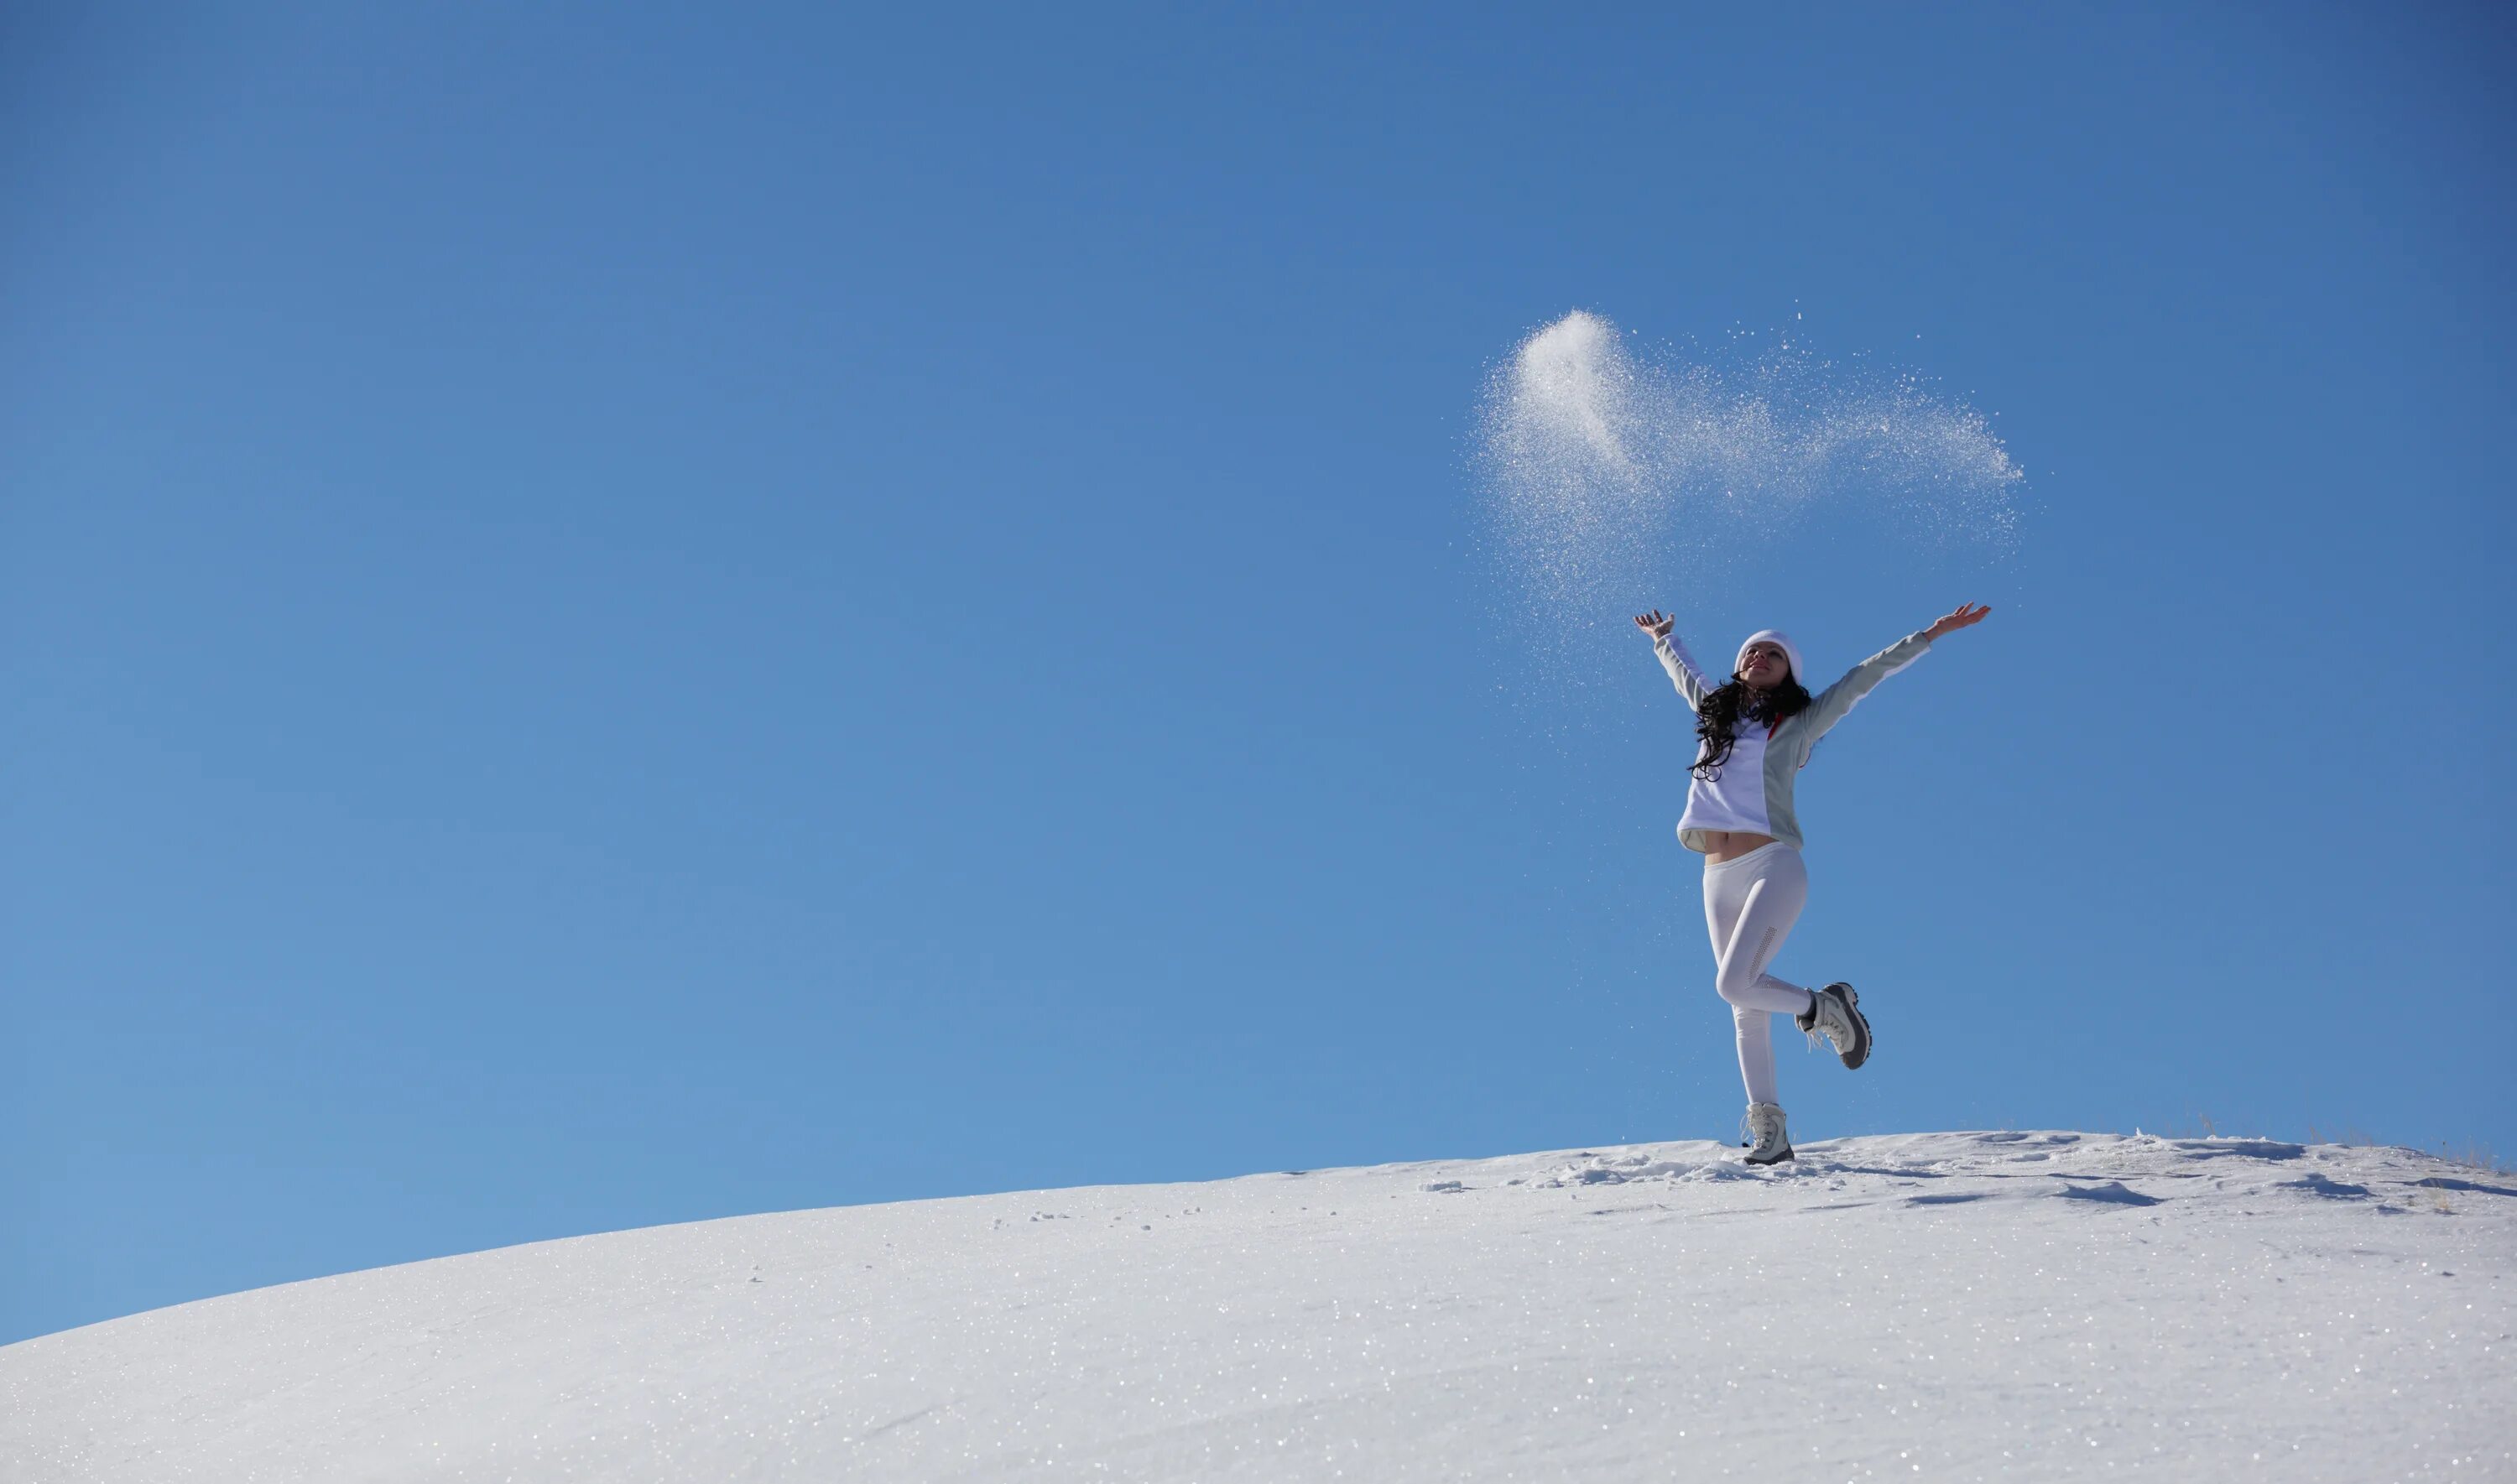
<point>1655,623</point>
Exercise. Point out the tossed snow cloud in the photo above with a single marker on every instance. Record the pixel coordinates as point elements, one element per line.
<point>1609,468</point>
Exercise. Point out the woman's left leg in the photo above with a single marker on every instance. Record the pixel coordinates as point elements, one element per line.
<point>1750,904</point>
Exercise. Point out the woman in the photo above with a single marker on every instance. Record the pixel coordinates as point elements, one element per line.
<point>1754,732</point>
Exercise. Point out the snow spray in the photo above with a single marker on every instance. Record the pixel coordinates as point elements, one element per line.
<point>1613,473</point>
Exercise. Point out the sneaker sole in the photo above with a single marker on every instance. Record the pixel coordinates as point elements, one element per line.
<point>1860,1052</point>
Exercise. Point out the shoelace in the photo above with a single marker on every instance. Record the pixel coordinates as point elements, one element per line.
<point>1818,1032</point>
<point>1749,1141</point>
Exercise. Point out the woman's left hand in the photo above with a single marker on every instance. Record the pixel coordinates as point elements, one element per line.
<point>1966,615</point>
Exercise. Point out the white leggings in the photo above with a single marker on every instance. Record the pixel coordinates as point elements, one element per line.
<point>1750,904</point>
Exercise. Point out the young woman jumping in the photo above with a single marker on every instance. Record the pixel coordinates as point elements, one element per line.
<point>1754,732</point>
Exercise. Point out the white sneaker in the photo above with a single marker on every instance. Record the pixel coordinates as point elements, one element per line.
<point>1835,1012</point>
<point>1772,1144</point>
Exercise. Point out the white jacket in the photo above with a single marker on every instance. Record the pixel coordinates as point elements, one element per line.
<point>1752,789</point>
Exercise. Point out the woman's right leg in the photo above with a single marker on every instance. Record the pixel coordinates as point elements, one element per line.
<point>1755,1031</point>
<point>1749,908</point>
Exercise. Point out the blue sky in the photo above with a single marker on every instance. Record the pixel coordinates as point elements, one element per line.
<point>626,618</point>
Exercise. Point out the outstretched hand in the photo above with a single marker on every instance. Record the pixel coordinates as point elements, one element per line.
<point>1968,614</point>
<point>1655,623</point>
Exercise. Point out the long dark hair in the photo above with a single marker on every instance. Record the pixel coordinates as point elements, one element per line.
<point>1717,725</point>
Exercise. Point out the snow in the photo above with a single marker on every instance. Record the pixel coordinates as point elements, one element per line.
<point>1935,1306</point>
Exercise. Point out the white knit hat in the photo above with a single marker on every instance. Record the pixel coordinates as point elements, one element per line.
<point>1782,641</point>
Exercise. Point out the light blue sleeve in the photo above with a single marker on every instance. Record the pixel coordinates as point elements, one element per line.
<point>1831,703</point>
<point>1683,671</point>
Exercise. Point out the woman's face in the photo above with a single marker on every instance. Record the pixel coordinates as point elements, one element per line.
<point>1762,667</point>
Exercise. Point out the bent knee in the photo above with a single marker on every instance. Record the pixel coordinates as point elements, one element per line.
<point>1735,988</point>
<point>1736,978</point>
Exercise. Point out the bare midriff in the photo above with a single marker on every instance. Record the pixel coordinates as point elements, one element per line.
<point>1722,845</point>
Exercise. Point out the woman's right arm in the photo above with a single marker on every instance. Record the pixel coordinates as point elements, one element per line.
<point>1674,657</point>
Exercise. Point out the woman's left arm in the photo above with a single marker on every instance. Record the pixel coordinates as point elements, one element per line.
<point>1830,705</point>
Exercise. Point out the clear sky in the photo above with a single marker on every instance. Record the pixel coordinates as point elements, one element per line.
<point>618,616</point>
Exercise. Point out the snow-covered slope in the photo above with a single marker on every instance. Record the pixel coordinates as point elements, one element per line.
<point>1934,1306</point>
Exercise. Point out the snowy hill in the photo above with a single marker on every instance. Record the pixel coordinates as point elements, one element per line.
<point>1936,1306</point>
